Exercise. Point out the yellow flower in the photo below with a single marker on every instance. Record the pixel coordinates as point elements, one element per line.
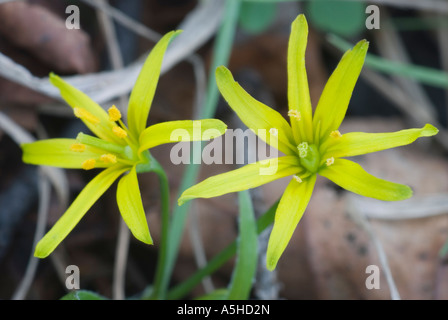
<point>115,147</point>
<point>311,143</point>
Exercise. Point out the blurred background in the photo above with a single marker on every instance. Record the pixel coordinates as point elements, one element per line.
<point>403,84</point>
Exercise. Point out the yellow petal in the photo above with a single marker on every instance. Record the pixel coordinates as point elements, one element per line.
<point>290,210</point>
<point>131,207</point>
<point>352,177</point>
<point>298,91</point>
<point>255,115</point>
<point>143,92</point>
<point>247,177</point>
<point>62,153</point>
<point>336,95</point>
<point>77,99</point>
<point>88,196</point>
<point>357,143</point>
<point>169,132</point>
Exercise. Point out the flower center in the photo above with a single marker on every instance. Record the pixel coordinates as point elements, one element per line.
<point>309,156</point>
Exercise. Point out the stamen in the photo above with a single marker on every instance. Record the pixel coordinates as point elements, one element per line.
<point>119,132</point>
<point>114,113</point>
<point>329,161</point>
<point>297,178</point>
<point>89,164</point>
<point>295,114</point>
<point>303,149</point>
<point>108,158</point>
<point>85,115</point>
<point>77,147</point>
<point>335,134</point>
<point>273,131</point>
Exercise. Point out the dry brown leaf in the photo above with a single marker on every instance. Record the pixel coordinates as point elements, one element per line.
<point>45,36</point>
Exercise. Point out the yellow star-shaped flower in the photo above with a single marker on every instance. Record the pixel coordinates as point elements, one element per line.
<point>312,144</point>
<point>115,147</point>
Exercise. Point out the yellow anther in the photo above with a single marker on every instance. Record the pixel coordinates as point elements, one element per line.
<point>85,115</point>
<point>330,161</point>
<point>89,164</point>
<point>119,132</point>
<point>108,158</point>
<point>78,147</point>
<point>273,131</point>
<point>335,134</point>
<point>297,178</point>
<point>114,114</point>
<point>294,113</point>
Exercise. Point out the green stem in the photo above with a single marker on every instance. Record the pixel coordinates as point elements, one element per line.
<point>159,289</point>
<point>222,49</point>
<point>185,287</point>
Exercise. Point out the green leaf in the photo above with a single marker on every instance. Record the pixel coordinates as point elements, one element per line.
<point>346,18</point>
<point>218,294</point>
<point>257,17</point>
<point>352,177</point>
<point>129,200</point>
<point>143,91</point>
<point>86,198</point>
<point>290,210</point>
<point>83,295</point>
<point>426,75</point>
<point>247,250</point>
<point>223,256</point>
<point>221,53</point>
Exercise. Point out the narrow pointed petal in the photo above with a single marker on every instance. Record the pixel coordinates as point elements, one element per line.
<point>88,196</point>
<point>357,143</point>
<point>188,130</point>
<point>290,210</point>
<point>131,207</point>
<point>57,153</point>
<point>336,95</point>
<point>352,177</point>
<point>298,91</point>
<point>247,177</point>
<point>254,114</point>
<point>143,92</point>
<point>78,99</point>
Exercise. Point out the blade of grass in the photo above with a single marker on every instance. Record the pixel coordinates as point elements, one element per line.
<point>423,74</point>
<point>182,289</point>
<point>219,294</point>
<point>247,250</point>
<point>222,49</point>
<point>440,6</point>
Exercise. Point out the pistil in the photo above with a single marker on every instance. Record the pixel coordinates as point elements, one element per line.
<point>100,143</point>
